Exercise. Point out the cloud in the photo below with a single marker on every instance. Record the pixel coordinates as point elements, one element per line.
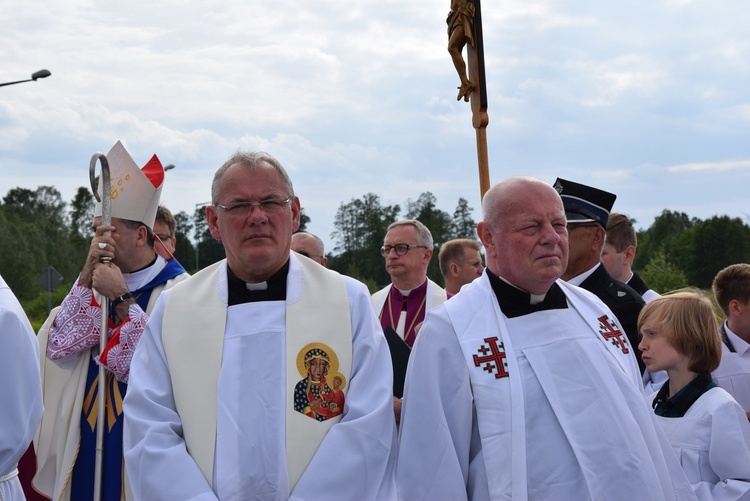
<point>632,98</point>
<point>711,166</point>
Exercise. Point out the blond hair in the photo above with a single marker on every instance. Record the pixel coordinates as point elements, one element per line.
<point>689,323</point>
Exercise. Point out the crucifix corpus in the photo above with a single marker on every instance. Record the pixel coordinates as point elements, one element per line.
<point>465,29</point>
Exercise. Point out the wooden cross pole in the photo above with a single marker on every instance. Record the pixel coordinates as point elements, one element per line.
<point>465,28</point>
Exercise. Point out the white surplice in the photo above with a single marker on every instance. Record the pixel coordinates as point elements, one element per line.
<point>574,425</point>
<point>20,390</point>
<point>712,442</point>
<point>733,373</point>
<point>354,461</point>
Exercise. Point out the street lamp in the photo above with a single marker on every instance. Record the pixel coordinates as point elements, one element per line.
<point>34,77</point>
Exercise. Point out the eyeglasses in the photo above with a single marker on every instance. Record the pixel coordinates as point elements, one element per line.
<point>244,209</point>
<point>400,249</point>
<point>164,237</point>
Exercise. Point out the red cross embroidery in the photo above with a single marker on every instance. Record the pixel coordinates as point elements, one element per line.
<point>493,358</point>
<point>610,331</point>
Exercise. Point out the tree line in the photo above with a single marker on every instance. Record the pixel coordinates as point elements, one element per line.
<point>39,229</point>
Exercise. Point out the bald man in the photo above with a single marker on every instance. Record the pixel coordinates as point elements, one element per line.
<point>310,246</point>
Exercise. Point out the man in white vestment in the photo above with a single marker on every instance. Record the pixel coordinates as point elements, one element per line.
<point>732,292</point>
<point>20,390</point>
<point>523,386</point>
<point>237,387</point>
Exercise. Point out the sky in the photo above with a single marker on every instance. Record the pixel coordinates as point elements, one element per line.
<point>646,99</point>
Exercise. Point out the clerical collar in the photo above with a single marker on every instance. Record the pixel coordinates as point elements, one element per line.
<point>515,302</point>
<point>273,289</point>
<point>416,291</point>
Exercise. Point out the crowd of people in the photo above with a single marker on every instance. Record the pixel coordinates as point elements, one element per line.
<point>552,373</point>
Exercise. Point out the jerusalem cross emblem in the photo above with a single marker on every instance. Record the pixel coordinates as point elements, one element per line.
<point>492,358</point>
<point>612,333</point>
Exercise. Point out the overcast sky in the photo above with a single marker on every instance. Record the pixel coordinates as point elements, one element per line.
<point>646,99</point>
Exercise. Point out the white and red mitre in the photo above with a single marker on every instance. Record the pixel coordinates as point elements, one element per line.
<point>134,192</point>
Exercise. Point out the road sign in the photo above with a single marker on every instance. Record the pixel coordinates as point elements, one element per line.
<point>49,279</point>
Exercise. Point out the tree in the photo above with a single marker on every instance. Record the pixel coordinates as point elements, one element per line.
<point>360,229</point>
<point>209,249</point>
<point>663,276</point>
<point>437,221</point>
<point>661,235</point>
<point>711,245</point>
<point>304,220</point>
<point>82,213</point>
<point>463,224</point>
<point>35,234</point>
<point>184,251</point>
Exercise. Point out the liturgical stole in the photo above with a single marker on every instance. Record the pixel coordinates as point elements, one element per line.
<point>319,315</point>
<point>501,411</point>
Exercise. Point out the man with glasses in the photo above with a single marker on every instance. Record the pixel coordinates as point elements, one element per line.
<point>164,230</point>
<point>407,249</point>
<point>215,408</point>
<point>587,210</point>
<point>309,246</point>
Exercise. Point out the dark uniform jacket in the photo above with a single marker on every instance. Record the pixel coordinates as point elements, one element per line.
<point>637,284</point>
<point>624,302</point>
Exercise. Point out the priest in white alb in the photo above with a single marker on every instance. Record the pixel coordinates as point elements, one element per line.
<point>525,387</point>
<point>20,390</point>
<point>264,376</point>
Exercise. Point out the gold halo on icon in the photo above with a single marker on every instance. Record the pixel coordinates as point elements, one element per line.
<point>319,350</point>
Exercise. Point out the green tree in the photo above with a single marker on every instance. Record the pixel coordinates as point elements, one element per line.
<point>209,249</point>
<point>304,220</point>
<point>663,276</point>
<point>360,229</point>
<point>440,224</point>
<point>661,236</point>
<point>35,233</point>
<point>82,213</point>
<point>184,251</point>
<point>709,246</point>
<point>463,224</point>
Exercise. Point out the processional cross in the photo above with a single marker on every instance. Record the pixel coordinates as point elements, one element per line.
<point>465,29</point>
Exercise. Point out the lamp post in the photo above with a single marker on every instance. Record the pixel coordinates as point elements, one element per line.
<point>34,77</point>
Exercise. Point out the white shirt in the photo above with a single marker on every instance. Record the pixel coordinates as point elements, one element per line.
<point>733,373</point>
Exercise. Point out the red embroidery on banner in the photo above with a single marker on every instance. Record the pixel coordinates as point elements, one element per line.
<point>612,333</point>
<point>492,358</point>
